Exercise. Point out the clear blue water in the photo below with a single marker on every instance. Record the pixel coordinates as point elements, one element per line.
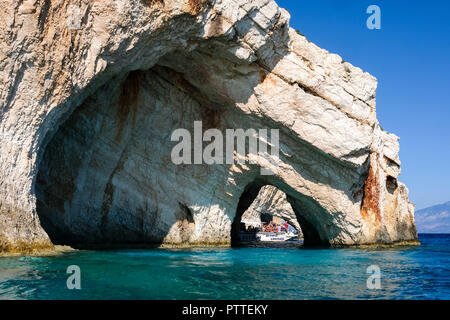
<point>421,272</point>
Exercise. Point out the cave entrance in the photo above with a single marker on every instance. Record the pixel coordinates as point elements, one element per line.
<point>267,216</point>
<point>270,218</point>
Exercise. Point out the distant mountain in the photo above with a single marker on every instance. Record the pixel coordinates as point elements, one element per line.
<point>435,219</point>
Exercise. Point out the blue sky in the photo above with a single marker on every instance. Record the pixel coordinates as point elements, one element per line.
<point>410,57</point>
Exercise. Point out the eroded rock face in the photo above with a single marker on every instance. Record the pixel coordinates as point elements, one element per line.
<point>87,113</point>
<point>273,202</point>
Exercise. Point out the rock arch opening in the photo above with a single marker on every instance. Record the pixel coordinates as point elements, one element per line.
<point>261,202</point>
<point>271,212</point>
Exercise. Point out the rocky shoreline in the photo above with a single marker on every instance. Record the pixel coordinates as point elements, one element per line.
<point>58,249</point>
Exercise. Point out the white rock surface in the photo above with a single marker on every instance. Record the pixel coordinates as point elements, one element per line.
<point>86,113</point>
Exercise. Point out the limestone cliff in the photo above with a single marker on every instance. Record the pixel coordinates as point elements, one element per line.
<point>92,90</point>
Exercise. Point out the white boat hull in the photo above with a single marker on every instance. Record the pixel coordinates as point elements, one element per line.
<point>272,236</point>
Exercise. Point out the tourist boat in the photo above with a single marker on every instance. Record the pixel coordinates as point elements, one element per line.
<point>275,236</point>
<point>268,235</point>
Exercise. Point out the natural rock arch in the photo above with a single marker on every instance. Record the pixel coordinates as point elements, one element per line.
<point>310,215</point>
<point>271,202</point>
<point>241,65</point>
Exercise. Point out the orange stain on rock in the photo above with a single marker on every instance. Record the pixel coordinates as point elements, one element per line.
<point>195,6</point>
<point>268,82</point>
<point>372,197</point>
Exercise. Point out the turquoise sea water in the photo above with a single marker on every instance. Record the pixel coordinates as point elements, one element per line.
<point>421,272</point>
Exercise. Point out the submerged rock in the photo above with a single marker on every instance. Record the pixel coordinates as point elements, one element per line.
<point>90,96</point>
